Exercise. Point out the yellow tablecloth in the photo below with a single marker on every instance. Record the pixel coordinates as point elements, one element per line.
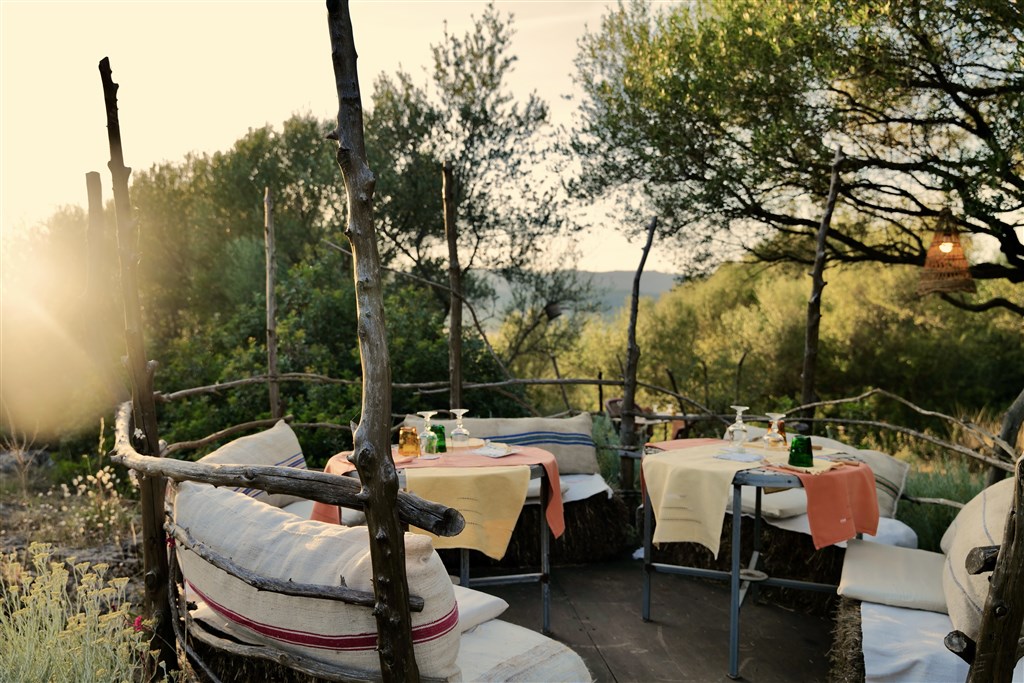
<point>490,499</point>
<point>689,490</point>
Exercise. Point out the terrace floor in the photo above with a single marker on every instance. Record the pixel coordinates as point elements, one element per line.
<point>595,609</point>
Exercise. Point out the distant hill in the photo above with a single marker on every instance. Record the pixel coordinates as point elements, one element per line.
<point>613,288</point>
<point>617,287</point>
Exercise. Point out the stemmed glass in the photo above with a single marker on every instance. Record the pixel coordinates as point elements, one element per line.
<point>737,431</point>
<point>460,435</point>
<point>428,439</point>
<point>773,438</point>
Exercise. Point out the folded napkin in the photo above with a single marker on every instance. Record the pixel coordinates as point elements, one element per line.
<point>490,499</point>
<point>841,500</point>
<point>689,491</point>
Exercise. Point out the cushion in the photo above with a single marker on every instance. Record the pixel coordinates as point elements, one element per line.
<point>279,545</point>
<point>499,651</point>
<point>890,478</point>
<point>569,439</point>
<point>777,505</point>
<point>980,522</point>
<point>889,575</point>
<point>476,607</point>
<point>276,446</point>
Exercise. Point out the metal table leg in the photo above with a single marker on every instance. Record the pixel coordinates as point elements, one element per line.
<point>545,560</point>
<point>645,610</point>
<point>734,581</point>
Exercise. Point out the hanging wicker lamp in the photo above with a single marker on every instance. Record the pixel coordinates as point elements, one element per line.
<point>945,266</point>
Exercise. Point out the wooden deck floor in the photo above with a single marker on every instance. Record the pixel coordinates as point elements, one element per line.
<point>596,611</point>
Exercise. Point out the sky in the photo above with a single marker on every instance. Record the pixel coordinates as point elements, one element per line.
<point>196,76</point>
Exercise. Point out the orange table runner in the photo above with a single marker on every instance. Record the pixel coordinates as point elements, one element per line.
<point>841,502</point>
<point>524,455</point>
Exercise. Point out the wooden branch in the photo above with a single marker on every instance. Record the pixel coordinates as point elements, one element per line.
<point>372,454</point>
<point>998,640</point>
<point>151,490</point>
<point>933,501</point>
<point>451,232</point>
<point>994,302</point>
<point>273,386</point>
<point>810,363</point>
<point>465,302</point>
<point>961,645</point>
<point>981,559</point>
<point>332,489</point>
<point>342,593</point>
<point>627,427</point>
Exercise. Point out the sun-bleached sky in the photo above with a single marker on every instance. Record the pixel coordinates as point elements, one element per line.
<point>195,76</point>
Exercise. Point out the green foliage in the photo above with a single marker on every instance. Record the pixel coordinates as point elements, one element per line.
<point>66,622</point>
<point>739,335</point>
<point>949,478</point>
<point>724,114</point>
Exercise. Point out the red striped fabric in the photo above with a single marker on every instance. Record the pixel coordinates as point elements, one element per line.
<point>347,642</point>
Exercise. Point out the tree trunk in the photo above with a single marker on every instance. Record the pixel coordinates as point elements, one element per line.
<point>451,232</point>
<point>627,424</point>
<point>810,367</point>
<point>140,374</point>
<point>273,386</point>
<point>997,649</point>
<point>1009,433</point>
<point>372,450</point>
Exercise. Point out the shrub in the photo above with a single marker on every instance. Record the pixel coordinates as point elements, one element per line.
<point>66,622</point>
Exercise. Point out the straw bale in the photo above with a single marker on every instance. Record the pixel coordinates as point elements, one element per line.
<point>784,554</point>
<point>846,657</point>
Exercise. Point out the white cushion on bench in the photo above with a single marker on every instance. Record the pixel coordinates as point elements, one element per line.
<point>272,543</point>
<point>500,651</point>
<point>902,577</point>
<point>276,446</point>
<point>476,607</point>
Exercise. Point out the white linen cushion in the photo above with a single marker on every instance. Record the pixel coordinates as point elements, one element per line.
<point>569,439</point>
<point>499,651</point>
<point>776,505</point>
<point>276,446</point>
<point>981,522</point>
<point>270,542</point>
<point>476,607</point>
<point>888,575</point>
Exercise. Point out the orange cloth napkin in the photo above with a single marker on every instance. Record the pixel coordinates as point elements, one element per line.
<point>840,503</point>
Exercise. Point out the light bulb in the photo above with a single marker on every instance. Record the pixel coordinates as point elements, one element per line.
<point>946,247</point>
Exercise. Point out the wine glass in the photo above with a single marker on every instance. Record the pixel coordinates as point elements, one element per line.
<point>737,431</point>
<point>774,439</point>
<point>460,435</point>
<point>428,439</point>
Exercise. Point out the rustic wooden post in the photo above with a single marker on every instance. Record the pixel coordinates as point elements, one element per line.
<point>1008,434</point>
<point>140,374</point>
<point>999,647</point>
<point>372,454</point>
<point>627,425</point>
<point>451,232</point>
<point>818,283</point>
<point>273,386</point>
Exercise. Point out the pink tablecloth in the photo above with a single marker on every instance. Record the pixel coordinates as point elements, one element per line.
<point>525,455</point>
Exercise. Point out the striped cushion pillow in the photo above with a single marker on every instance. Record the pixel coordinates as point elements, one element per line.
<point>277,446</point>
<point>569,439</point>
<point>279,545</point>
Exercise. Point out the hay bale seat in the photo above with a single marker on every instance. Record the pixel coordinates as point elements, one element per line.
<point>898,604</point>
<point>597,521</point>
<point>787,550</point>
<point>456,634</point>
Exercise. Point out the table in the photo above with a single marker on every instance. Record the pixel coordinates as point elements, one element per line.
<point>743,578</point>
<point>462,468</point>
